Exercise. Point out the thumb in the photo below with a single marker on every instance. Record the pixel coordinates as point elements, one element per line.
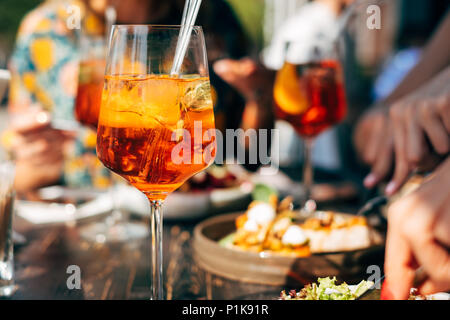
<point>34,119</point>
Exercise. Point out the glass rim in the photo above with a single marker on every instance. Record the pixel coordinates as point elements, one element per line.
<point>156,26</point>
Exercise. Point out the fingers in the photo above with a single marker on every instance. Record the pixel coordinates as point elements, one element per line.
<point>443,107</point>
<point>435,259</point>
<point>424,211</point>
<point>401,162</point>
<point>377,148</point>
<point>39,148</point>
<point>244,75</point>
<point>376,137</point>
<point>431,286</point>
<point>39,154</point>
<point>360,137</point>
<point>223,68</point>
<point>29,151</point>
<point>32,121</point>
<point>441,229</point>
<point>399,268</point>
<point>410,240</point>
<point>442,225</point>
<point>416,146</point>
<point>230,70</point>
<point>413,119</point>
<point>383,163</point>
<point>434,127</point>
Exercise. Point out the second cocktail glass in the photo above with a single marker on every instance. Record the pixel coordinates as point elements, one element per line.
<point>309,94</point>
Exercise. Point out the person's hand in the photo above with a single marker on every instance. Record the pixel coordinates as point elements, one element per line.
<point>245,75</point>
<point>374,143</point>
<point>38,149</point>
<point>421,123</point>
<point>419,235</point>
<point>255,84</point>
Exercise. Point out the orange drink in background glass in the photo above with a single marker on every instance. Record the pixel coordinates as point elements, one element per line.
<point>310,96</point>
<point>89,93</point>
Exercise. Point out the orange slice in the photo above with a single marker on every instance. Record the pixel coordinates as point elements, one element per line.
<point>288,94</point>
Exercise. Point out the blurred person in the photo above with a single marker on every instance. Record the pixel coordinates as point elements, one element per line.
<point>412,130</point>
<point>419,224</point>
<point>419,236</point>
<point>314,24</point>
<point>44,70</point>
<point>276,12</point>
<point>379,139</point>
<point>421,127</point>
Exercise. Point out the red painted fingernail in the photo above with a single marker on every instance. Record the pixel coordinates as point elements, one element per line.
<point>386,293</point>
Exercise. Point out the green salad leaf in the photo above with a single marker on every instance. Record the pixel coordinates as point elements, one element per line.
<point>262,192</point>
<point>227,240</point>
<point>327,289</point>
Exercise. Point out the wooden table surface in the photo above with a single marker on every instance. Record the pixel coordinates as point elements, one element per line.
<point>116,271</point>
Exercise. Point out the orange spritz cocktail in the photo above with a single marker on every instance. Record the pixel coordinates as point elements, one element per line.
<point>310,96</point>
<point>156,131</point>
<point>89,95</point>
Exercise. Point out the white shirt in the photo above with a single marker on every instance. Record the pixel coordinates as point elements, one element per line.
<point>313,26</point>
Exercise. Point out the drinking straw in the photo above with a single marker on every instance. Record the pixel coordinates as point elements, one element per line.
<point>190,13</point>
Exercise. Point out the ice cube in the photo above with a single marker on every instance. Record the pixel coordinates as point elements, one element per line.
<point>198,96</point>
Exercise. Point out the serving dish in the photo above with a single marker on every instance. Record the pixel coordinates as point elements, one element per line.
<point>228,269</point>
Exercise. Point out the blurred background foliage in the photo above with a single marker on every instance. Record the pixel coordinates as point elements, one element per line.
<point>11,13</point>
<point>251,15</point>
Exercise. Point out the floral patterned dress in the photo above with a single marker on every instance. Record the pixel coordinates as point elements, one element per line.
<point>44,68</point>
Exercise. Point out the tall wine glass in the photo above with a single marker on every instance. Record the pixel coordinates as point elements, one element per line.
<point>155,129</point>
<point>309,94</point>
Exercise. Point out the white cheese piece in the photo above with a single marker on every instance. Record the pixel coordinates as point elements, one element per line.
<point>261,213</point>
<point>294,236</point>
<point>251,226</point>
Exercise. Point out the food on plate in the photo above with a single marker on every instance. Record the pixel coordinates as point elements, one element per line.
<point>214,177</point>
<point>415,295</point>
<point>327,289</point>
<point>269,226</point>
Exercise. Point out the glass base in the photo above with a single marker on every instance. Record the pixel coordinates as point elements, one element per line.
<point>120,232</point>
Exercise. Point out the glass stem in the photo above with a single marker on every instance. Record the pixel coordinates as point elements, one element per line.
<point>116,215</point>
<point>308,168</point>
<point>157,252</point>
